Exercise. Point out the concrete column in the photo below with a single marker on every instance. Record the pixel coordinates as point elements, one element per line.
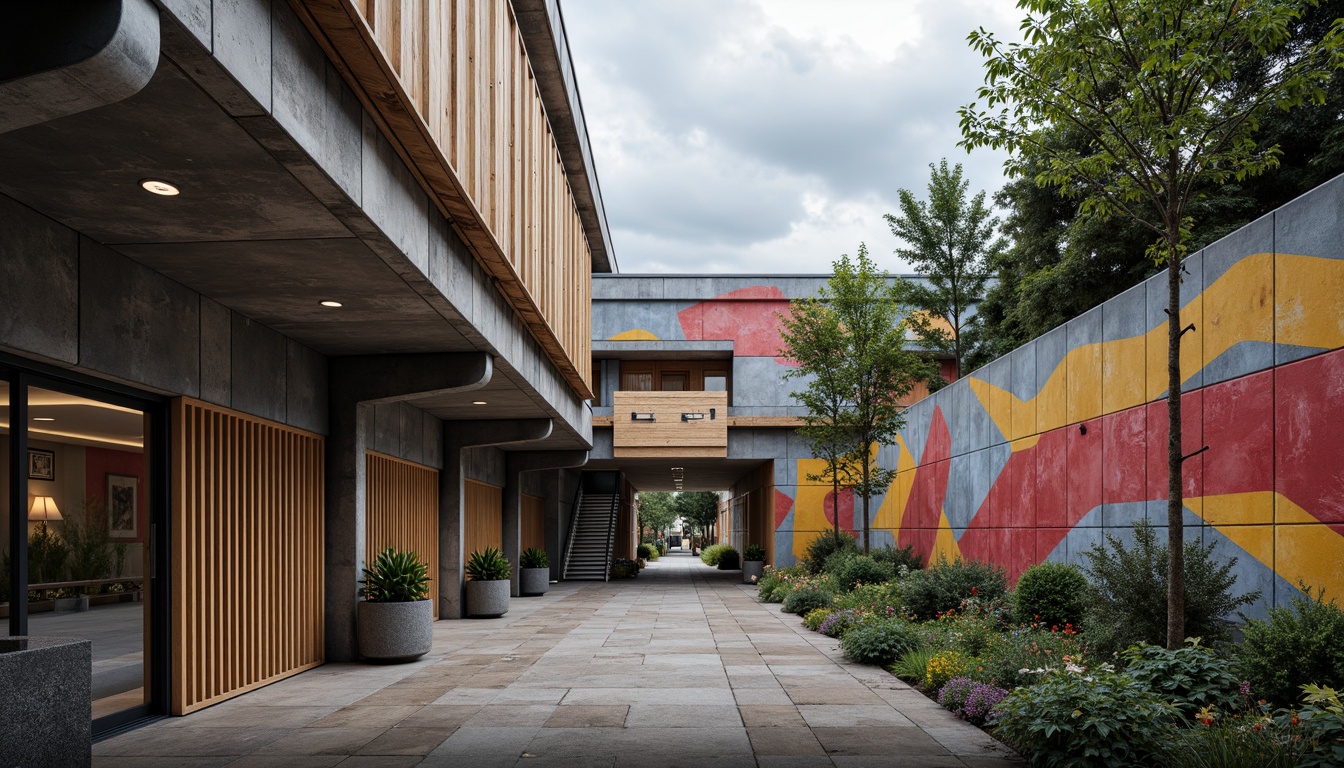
<point>356,385</point>
<point>518,463</point>
<point>459,435</point>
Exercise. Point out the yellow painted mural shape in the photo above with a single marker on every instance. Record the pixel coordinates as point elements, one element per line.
<point>634,334</point>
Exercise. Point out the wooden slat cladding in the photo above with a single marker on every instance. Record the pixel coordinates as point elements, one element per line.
<point>402,510</point>
<point>483,508</point>
<point>247,567</point>
<point>534,522</point>
<point>449,82</point>
<point>667,436</point>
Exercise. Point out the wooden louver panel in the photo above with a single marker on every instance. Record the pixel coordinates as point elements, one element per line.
<point>483,509</point>
<point>247,569</point>
<point>534,522</point>
<point>402,510</point>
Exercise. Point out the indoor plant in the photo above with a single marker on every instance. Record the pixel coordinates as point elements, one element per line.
<point>534,578</point>
<point>488,589</point>
<point>395,621</point>
<point>753,563</point>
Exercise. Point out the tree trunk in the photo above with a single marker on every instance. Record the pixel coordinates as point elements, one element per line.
<point>865,501</point>
<point>835,501</point>
<point>1175,502</point>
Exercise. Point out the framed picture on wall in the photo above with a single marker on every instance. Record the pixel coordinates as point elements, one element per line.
<point>123,504</point>
<point>41,464</point>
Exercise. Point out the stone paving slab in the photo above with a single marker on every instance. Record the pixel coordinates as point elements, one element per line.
<point>682,666</point>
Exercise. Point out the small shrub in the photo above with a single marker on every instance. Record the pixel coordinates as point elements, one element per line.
<point>913,665</point>
<point>488,565</point>
<point>1052,594</point>
<point>711,554</point>
<point>534,558</point>
<point>728,559</point>
<point>879,641</point>
<point>1297,645</point>
<point>838,623</point>
<point>971,700</point>
<point>813,619</point>
<point>1232,744</point>
<point>622,568</point>
<point>825,545</point>
<point>1322,720</point>
<point>945,585</point>
<point>1192,677</point>
<point>647,551</point>
<point>804,599</point>
<point>1018,657</point>
<point>1127,592</point>
<point>944,666</point>
<point>402,577</point>
<point>898,558</point>
<point>1097,719</point>
<point>880,599</point>
<point>753,553</point>
<point>859,569</point>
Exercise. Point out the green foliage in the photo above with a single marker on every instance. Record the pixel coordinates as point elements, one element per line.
<point>1233,744</point>
<point>852,570</point>
<point>952,245</point>
<point>944,586</point>
<point>943,666</point>
<point>1191,678</point>
<point>622,568</point>
<point>813,618</point>
<point>1298,644</point>
<point>534,558</point>
<point>824,546</point>
<point>881,598</point>
<point>657,510</point>
<point>729,560</point>
<point>879,641</point>
<point>490,565</point>
<point>1052,594</point>
<point>699,509</point>
<point>1323,721</point>
<point>397,577</point>
<point>1127,594</point>
<point>712,554</point>
<point>47,554</point>
<point>1079,721</point>
<point>89,541</point>
<point>904,557</point>
<point>913,665</point>
<point>753,553</point>
<point>1017,658</point>
<point>804,599</point>
<point>647,551</point>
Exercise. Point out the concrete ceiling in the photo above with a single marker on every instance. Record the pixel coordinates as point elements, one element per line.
<point>698,474</point>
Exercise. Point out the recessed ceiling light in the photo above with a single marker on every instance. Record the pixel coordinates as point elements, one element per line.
<point>478,402</point>
<point>159,187</point>
<point>330,303</point>
<point>43,418</point>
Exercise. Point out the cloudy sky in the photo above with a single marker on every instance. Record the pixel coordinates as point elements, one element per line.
<point>772,135</point>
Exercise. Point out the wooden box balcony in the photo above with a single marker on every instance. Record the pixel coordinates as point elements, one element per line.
<point>658,425</point>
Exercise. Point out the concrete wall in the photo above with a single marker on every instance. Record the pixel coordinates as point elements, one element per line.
<point>68,300</point>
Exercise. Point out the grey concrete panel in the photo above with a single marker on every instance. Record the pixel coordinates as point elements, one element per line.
<point>616,287</point>
<point>656,317</point>
<point>998,374</point>
<point>431,433</point>
<point>242,44</point>
<point>972,474</point>
<point>758,382</point>
<point>918,420</point>
<point>386,437</point>
<point>136,324</point>
<point>1051,347</point>
<point>260,359</point>
<point>1254,238</point>
<point>1022,379</point>
<point>484,464</point>
<point>305,388</point>
<point>1126,315</point>
<point>602,444</point>
<point>194,16</point>
<point>217,353</point>
<point>392,199</point>
<point>972,428</point>
<point>1311,224</point>
<point>1192,287</point>
<point>451,267</point>
<point>412,436</point>
<point>39,278</point>
<point>314,105</point>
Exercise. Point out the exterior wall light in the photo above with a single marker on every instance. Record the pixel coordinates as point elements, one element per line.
<point>638,416</point>
<point>159,187</point>
<point>692,416</point>
<point>329,303</point>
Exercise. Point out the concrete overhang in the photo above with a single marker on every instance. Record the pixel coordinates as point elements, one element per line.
<point>663,350</point>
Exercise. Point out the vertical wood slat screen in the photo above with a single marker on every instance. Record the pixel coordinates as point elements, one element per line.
<point>483,509</point>
<point>534,522</point>
<point>402,510</point>
<point>247,575</point>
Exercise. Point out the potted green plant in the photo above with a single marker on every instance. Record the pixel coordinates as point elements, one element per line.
<point>534,578</point>
<point>488,589</point>
<point>753,563</point>
<point>395,620</point>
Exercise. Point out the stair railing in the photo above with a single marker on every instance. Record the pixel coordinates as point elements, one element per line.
<point>573,527</point>
<point>611,532</point>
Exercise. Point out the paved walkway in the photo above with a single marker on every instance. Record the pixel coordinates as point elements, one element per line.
<point>682,666</point>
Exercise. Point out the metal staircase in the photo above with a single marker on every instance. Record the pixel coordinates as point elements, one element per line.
<point>588,556</point>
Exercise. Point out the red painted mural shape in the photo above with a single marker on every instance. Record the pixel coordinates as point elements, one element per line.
<point>783,506</point>
<point>923,512</point>
<point>1309,435</point>
<point>844,504</point>
<point>749,317</point>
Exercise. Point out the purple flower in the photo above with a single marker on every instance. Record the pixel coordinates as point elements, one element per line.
<point>971,700</point>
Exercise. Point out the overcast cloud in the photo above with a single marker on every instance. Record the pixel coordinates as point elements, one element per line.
<point>772,135</point>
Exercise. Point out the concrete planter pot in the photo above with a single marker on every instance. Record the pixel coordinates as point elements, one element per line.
<point>488,599</point>
<point>752,571</point>
<point>534,581</point>
<point>395,631</point>
<point>76,603</point>
<point>45,700</point>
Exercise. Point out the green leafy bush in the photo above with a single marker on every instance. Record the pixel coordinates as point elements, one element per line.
<point>647,551</point>
<point>714,552</point>
<point>839,622</point>
<point>881,598</point>
<point>879,641</point>
<point>1018,657</point>
<point>850,572</point>
<point>1297,645</point>
<point>1230,743</point>
<point>1322,720</point>
<point>753,553</point>
<point>622,568</point>
<point>913,665</point>
<point>489,565</point>
<point>944,586</point>
<point>728,560</point>
<point>825,545</point>
<point>1127,594</point>
<point>534,558</point>
<point>1051,594</point>
<point>804,599</point>
<point>904,557</point>
<point>398,577</point>
<point>813,619</point>
<point>944,666</point>
<point>1192,677</point>
<point>1072,720</point>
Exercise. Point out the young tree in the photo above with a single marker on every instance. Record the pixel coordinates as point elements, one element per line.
<point>700,509</point>
<point>953,245</point>
<point>868,371</point>
<point>657,510</point>
<point>1167,95</point>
